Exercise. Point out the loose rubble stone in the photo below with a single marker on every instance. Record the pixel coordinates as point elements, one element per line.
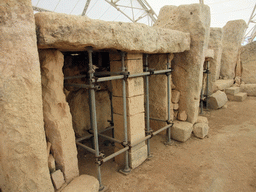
<point>182,116</point>
<point>51,163</point>
<point>188,66</point>
<point>223,84</point>
<point>175,106</point>
<point>237,97</point>
<point>224,106</point>
<point>233,33</point>
<point>202,119</point>
<point>250,89</point>
<point>57,179</point>
<point>248,61</point>
<point>232,90</point>
<point>215,43</point>
<point>181,131</point>
<point>217,100</point>
<point>60,31</point>
<point>57,117</point>
<point>83,183</point>
<point>23,155</point>
<point>200,130</point>
<point>175,96</point>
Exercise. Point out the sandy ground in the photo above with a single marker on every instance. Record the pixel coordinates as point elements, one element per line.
<point>224,161</point>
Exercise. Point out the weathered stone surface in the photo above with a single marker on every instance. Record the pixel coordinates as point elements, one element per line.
<point>232,37</point>
<point>57,179</point>
<point>158,95</point>
<point>181,131</point>
<point>200,130</point>
<point>188,66</point>
<point>79,108</point>
<point>182,116</point>
<point>209,54</point>
<point>232,90</point>
<point>23,155</point>
<point>217,100</point>
<point>202,119</point>
<point>250,89</point>
<point>175,106</point>
<point>57,117</point>
<point>83,183</point>
<point>61,31</point>
<point>248,61</point>
<point>175,96</point>
<point>215,43</point>
<point>223,84</point>
<point>237,97</point>
<point>51,163</point>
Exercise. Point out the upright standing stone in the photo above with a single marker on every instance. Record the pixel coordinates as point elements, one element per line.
<point>232,38</point>
<point>135,107</point>
<point>158,95</point>
<point>57,117</point>
<point>215,43</point>
<point>23,154</point>
<point>188,66</point>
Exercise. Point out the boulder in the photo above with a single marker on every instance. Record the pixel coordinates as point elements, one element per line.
<point>217,100</point>
<point>23,155</point>
<point>200,130</point>
<point>248,62</point>
<point>215,43</point>
<point>83,183</point>
<point>233,33</point>
<point>181,131</point>
<point>57,117</point>
<point>202,119</point>
<point>250,89</point>
<point>74,33</point>
<point>188,66</point>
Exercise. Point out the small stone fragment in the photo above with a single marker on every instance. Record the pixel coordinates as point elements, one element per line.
<point>181,131</point>
<point>202,119</point>
<point>57,179</point>
<point>175,96</point>
<point>51,163</point>
<point>175,106</point>
<point>200,130</point>
<point>182,116</point>
<point>175,114</point>
<point>224,106</point>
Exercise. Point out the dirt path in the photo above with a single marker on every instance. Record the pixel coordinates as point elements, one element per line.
<point>225,161</point>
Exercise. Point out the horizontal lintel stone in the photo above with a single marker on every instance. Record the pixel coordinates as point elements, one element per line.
<point>74,33</point>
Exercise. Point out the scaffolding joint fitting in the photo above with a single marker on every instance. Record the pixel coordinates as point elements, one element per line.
<point>168,73</point>
<point>169,122</point>
<point>152,71</point>
<point>125,144</point>
<point>111,123</point>
<point>207,71</point>
<point>149,132</point>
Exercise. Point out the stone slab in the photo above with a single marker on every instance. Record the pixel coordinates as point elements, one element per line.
<point>232,90</point>
<point>217,100</point>
<point>200,130</point>
<point>237,97</point>
<point>23,154</point>
<point>58,179</point>
<point>250,89</point>
<point>181,131</point>
<point>83,183</point>
<point>57,30</point>
<point>188,66</point>
<point>222,84</point>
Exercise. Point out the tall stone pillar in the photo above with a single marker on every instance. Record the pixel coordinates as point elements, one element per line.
<point>188,66</point>
<point>23,154</point>
<point>57,116</point>
<point>135,106</point>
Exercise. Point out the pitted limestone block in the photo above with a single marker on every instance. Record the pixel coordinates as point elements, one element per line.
<point>181,131</point>
<point>202,119</point>
<point>233,33</point>
<point>223,84</point>
<point>188,66</point>
<point>200,130</point>
<point>250,89</point>
<point>217,100</point>
<point>175,96</point>
<point>58,179</point>
<point>232,90</point>
<point>182,116</point>
<point>237,97</point>
<point>83,183</point>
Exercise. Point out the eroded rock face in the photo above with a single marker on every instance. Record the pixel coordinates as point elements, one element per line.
<point>188,66</point>
<point>23,155</point>
<point>248,61</point>
<point>70,32</point>
<point>232,38</point>
<point>215,43</point>
<point>79,108</point>
<point>57,117</point>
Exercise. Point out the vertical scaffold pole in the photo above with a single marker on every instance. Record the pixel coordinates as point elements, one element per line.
<point>126,168</point>
<point>93,115</point>
<point>207,84</point>
<point>168,101</point>
<point>147,106</point>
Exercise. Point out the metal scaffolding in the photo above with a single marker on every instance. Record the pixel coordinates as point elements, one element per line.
<point>251,34</point>
<point>127,146</point>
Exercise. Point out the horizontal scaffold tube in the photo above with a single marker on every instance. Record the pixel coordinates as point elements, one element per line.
<point>110,138</point>
<point>86,147</point>
<point>115,154</point>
